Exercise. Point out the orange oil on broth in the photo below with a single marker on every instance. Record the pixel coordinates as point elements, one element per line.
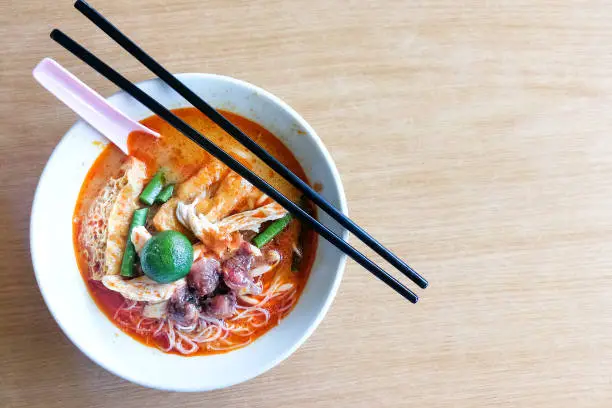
<point>179,157</point>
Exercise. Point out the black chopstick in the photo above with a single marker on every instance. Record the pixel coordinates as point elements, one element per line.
<point>137,52</point>
<point>123,83</point>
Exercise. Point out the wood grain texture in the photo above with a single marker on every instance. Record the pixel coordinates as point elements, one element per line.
<point>473,138</point>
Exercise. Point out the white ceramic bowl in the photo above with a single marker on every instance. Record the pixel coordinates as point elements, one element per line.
<point>65,293</point>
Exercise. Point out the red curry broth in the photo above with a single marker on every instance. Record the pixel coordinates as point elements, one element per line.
<point>179,157</point>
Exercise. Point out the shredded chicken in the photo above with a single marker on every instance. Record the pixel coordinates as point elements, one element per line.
<point>208,231</point>
<point>198,250</point>
<point>139,238</point>
<point>251,220</point>
<point>142,289</point>
<point>156,310</point>
<point>195,186</point>
<point>271,259</point>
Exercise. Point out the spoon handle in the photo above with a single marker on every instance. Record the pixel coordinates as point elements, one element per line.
<point>87,103</point>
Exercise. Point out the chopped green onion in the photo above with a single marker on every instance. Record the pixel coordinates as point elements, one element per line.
<point>150,192</point>
<point>273,230</point>
<point>165,194</point>
<point>127,264</point>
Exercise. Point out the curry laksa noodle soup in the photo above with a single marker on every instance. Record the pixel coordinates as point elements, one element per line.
<point>180,252</point>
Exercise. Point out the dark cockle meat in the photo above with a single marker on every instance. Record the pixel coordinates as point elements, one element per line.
<point>182,307</point>
<point>236,269</point>
<point>203,276</point>
<point>221,306</point>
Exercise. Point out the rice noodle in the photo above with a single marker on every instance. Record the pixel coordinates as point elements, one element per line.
<point>208,332</point>
<point>186,329</point>
<point>179,344</point>
<point>229,347</point>
<point>159,328</point>
<point>168,335</point>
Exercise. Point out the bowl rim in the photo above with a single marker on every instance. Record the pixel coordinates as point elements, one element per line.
<point>343,233</point>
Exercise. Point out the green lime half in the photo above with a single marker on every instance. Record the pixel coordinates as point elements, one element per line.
<point>167,257</point>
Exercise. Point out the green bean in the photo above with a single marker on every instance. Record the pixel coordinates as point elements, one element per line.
<point>127,264</point>
<point>165,194</point>
<point>273,230</point>
<point>151,191</point>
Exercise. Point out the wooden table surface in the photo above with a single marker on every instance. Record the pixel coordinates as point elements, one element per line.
<point>474,138</point>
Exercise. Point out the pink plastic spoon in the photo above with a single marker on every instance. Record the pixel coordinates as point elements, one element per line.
<point>87,103</point>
